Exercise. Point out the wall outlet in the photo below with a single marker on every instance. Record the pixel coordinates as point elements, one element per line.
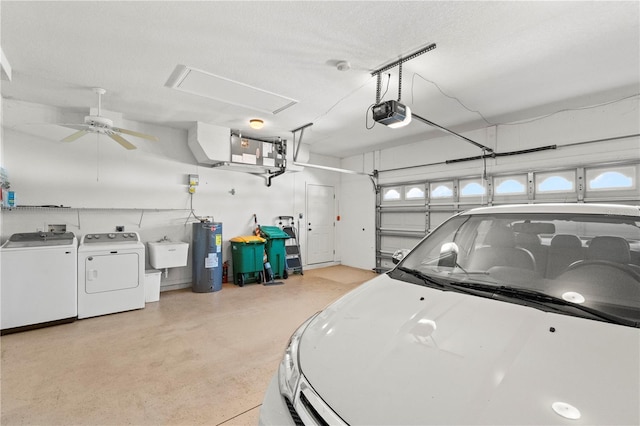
<point>120,228</point>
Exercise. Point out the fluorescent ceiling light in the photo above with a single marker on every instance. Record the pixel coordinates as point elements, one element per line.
<point>202,83</point>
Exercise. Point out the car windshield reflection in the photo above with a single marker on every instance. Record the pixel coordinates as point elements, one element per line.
<point>588,260</point>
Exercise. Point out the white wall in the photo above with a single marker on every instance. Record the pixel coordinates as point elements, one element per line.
<point>562,129</point>
<point>144,189</point>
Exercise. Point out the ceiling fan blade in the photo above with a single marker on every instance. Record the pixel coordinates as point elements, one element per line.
<point>137,134</point>
<point>122,141</point>
<point>74,126</point>
<point>72,137</point>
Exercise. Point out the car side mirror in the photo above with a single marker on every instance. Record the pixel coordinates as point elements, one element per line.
<point>398,255</point>
<point>448,255</point>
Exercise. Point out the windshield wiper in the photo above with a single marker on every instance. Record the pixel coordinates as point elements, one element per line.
<point>425,278</point>
<point>539,296</point>
<point>441,284</point>
<point>519,293</point>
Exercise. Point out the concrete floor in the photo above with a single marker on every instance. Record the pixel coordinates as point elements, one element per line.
<point>188,359</point>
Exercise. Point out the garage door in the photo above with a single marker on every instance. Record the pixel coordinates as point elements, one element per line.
<point>407,211</point>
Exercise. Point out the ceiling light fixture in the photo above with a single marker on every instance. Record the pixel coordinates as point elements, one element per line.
<point>256,123</point>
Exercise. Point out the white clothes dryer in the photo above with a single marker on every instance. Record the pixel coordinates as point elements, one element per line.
<point>38,280</point>
<point>110,273</point>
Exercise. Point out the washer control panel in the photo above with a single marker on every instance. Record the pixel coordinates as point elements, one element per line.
<point>111,237</point>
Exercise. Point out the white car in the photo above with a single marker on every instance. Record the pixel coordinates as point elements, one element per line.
<point>526,314</point>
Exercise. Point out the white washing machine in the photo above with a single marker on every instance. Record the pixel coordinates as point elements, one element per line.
<point>38,280</point>
<point>110,273</point>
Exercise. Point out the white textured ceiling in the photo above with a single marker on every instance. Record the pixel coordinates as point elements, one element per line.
<point>507,61</point>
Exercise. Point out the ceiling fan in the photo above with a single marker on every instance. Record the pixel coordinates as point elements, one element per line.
<point>103,126</point>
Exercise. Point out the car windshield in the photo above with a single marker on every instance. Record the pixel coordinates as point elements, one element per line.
<point>587,265</point>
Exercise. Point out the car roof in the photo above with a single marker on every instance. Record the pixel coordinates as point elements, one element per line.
<point>604,209</point>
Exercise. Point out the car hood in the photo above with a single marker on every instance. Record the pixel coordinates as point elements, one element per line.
<point>392,352</point>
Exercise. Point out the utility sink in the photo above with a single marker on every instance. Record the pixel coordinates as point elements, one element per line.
<point>167,254</point>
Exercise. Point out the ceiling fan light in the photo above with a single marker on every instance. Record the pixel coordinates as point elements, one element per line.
<point>256,123</point>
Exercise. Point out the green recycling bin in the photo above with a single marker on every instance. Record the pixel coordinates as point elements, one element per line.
<point>275,247</point>
<point>247,254</point>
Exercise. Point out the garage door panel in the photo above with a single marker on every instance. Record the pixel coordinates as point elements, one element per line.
<point>386,263</point>
<point>414,221</point>
<point>392,243</point>
<point>436,218</point>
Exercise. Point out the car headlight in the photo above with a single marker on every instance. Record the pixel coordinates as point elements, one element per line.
<point>289,371</point>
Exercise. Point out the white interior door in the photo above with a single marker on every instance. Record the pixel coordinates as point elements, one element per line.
<point>320,223</point>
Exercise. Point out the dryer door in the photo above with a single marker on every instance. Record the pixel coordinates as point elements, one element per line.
<point>111,272</point>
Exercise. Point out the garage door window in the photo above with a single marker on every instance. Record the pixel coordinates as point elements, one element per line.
<point>556,182</point>
<point>620,178</point>
<point>472,188</point>
<point>392,194</point>
<point>414,192</point>
<point>441,190</point>
<point>511,185</point>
